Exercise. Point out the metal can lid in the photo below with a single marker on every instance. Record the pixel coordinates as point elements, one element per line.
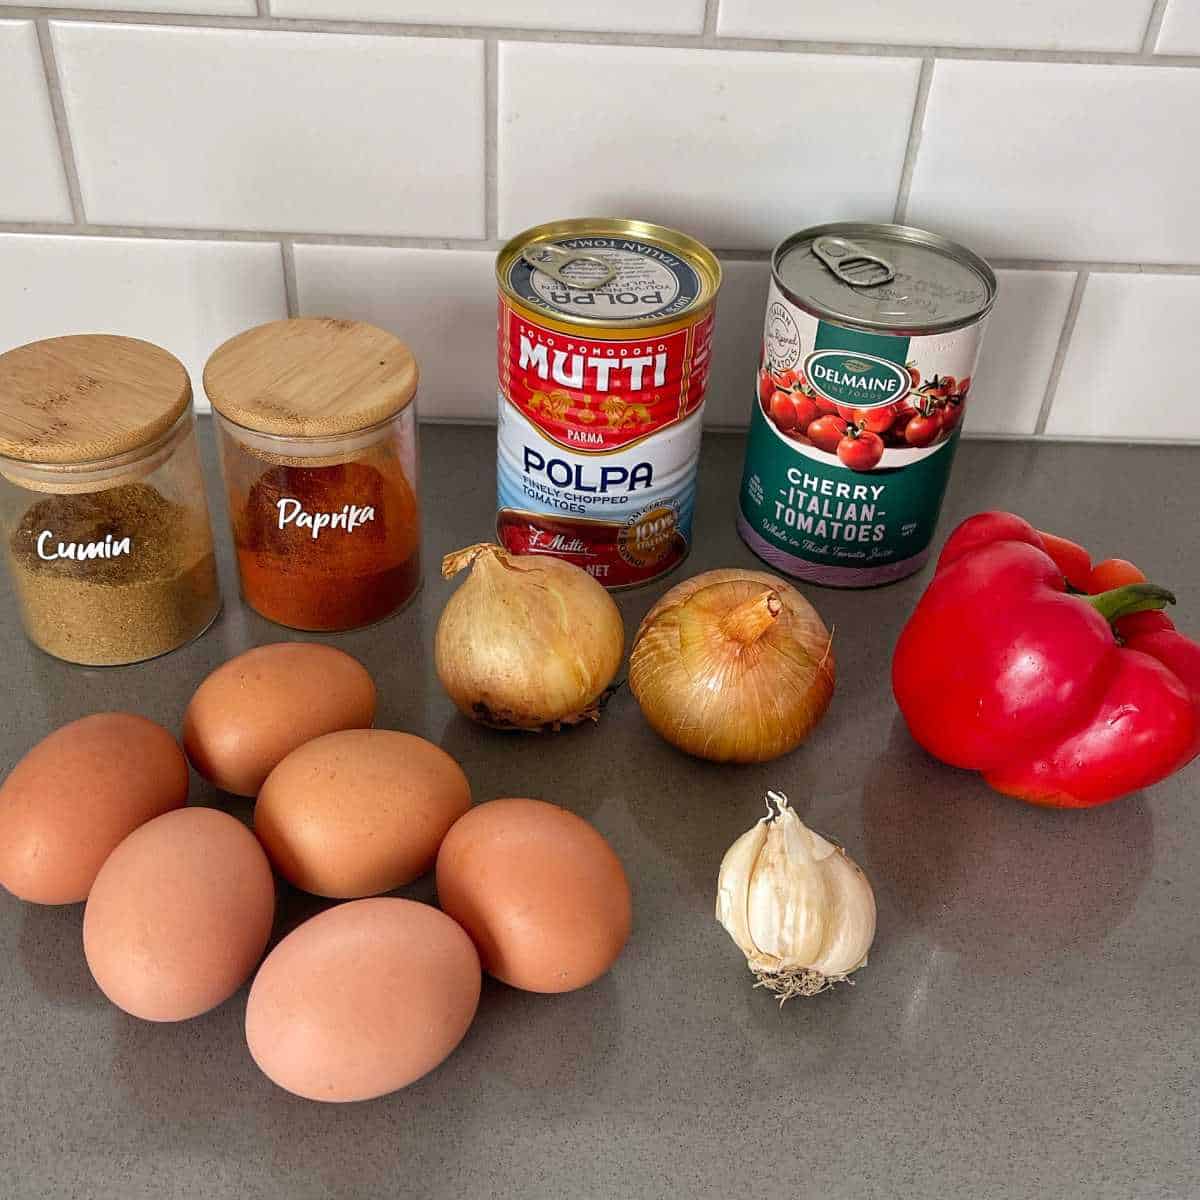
<point>603,271</point>
<point>884,278</point>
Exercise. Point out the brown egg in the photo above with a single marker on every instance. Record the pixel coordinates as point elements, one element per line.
<point>359,812</point>
<point>253,711</point>
<point>179,915</point>
<point>363,999</point>
<point>539,890</point>
<point>68,803</point>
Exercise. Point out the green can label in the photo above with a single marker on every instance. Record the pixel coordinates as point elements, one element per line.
<point>851,443</point>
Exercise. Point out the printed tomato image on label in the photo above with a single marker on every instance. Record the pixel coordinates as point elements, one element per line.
<point>604,349</point>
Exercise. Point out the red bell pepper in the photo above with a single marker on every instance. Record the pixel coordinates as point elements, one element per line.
<point>1062,699</point>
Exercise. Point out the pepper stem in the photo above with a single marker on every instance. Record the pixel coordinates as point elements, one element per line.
<point>1132,598</point>
<point>752,618</point>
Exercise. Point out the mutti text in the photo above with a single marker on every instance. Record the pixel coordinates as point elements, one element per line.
<point>587,476</point>
<point>593,372</point>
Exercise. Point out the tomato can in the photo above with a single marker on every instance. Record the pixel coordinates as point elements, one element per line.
<point>870,342</point>
<point>605,334</point>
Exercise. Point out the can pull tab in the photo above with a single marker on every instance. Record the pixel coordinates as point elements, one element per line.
<point>554,260</point>
<point>851,263</point>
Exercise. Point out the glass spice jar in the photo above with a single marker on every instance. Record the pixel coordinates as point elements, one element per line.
<point>317,432</point>
<point>103,516</point>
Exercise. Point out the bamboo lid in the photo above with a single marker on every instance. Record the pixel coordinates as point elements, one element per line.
<point>311,377</point>
<point>87,397</point>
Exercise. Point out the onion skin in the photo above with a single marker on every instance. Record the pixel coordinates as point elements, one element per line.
<point>528,641</point>
<point>733,666</point>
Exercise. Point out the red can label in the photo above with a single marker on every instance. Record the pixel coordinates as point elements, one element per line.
<point>597,395</point>
<point>598,444</point>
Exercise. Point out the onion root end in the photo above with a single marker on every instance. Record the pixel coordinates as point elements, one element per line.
<point>498,718</point>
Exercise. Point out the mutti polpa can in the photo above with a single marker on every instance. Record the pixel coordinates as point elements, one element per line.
<point>605,332</point>
<point>869,348</point>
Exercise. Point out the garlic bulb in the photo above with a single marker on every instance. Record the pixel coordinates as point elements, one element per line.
<point>528,641</point>
<point>799,907</point>
<point>733,666</point>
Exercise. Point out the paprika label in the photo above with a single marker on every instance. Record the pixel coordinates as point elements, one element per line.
<point>601,388</point>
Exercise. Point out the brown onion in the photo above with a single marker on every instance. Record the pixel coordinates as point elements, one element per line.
<point>733,666</point>
<point>528,641</point>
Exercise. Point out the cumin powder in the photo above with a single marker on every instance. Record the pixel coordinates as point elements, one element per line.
<point>139,603</point>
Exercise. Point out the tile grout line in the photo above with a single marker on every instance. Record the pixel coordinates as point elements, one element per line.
<point>287,256</point>
<point>179,233</point>
<point>1096,266</point>
<point>1154,26</point>
<point>62,128</point>
<point>1060,353</point>
<point>708,28</point>
<point>262,23</point>
<point>491,138</point>
<point>291,290</point>
<point>739,254</point>
<point>913,146</point>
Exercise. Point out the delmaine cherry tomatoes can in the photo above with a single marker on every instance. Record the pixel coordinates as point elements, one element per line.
<point>869,349</point>
<point>604,337</point>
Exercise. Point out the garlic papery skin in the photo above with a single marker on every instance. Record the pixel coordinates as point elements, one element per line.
<point>799,908</point>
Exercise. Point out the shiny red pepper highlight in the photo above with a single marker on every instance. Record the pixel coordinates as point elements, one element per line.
<point>1058,698</point>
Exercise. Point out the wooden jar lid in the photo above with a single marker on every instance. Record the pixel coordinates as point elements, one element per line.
<point>87,397</point>
<point>311,377</point>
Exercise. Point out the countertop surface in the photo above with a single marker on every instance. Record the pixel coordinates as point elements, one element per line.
<point>1028,1025</point>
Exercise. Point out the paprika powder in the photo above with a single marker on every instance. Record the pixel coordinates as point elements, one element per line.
<point>318,450</point>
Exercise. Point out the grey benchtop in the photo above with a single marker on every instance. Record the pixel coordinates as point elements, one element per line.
<point>1028,1025</point>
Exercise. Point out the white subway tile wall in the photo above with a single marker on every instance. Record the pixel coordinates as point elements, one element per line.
<point>441,302</point>
<point>1121,376</point>
<point>245,129</point>
<point>231,161</point>
<point>739,148</point>
<point>612,16</point>
<point>1180,32</point>
<point>1019,345</point>
<point>186,296</point>
<point>33,186</point>
<point>222,8</point>
<point>1058,160</point>
<point>737,339</point>
<point>1036,25</point>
